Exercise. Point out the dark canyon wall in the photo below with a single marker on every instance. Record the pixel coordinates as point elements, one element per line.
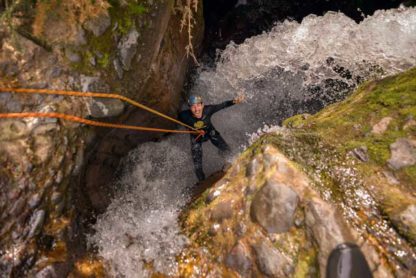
<point>134,48</point>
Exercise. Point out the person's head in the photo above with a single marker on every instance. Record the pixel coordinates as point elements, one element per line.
<point>196,105</point>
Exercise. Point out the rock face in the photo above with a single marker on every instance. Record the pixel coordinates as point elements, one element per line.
<point>274,206</point>
<point>403,153</point>
<point>133,48</point>
<point>299,193</point>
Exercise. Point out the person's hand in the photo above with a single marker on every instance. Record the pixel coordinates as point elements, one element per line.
<point>239,99</point>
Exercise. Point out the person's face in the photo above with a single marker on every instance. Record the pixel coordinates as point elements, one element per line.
<point>197,109</point>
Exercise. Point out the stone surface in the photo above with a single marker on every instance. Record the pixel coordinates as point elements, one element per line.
<point>239,259</point>
<point>127,48</point>
<point>403,153</point>
<point>222,211</point>
<point>118,68</point>
<point>36,223</point>
<point>328,231</point>
<point>98,24</point>
<point>381,126</point>
<point>408,219</point>
<point>361,153</point>
<point>253,167</point>
<point>270,261</point>
<point>41,157</point>
<point>72,56</point>
<point>101,108</point>
<point>273,207</point>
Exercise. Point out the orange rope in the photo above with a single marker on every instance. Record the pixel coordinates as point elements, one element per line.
<point>88,122</point>
<point>94,95</point>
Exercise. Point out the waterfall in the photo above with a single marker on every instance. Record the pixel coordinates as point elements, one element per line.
<point>294,68</point>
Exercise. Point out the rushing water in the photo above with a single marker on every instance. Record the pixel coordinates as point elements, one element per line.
<point>294,68</point>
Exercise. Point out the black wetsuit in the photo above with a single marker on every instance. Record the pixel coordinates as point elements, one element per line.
<point>211,133</point>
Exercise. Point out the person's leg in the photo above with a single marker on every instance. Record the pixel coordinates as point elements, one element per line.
<point>196,150</point>
<point>347,261</point>
<point>219,142</point>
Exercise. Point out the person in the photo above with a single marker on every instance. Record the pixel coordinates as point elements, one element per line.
<point>199,116</point>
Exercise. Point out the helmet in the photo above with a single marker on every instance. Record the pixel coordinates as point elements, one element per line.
<point>194,99</point>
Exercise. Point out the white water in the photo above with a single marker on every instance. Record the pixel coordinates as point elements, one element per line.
<point>294,68</point>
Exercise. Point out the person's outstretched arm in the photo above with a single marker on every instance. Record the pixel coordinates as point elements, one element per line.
<point>225,104</point>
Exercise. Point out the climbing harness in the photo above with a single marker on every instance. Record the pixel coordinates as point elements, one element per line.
<point>90,122</point>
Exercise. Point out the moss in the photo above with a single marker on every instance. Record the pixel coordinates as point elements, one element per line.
<point>136,9</point>
<point>410,175</point>
<point>295,121</point>
<point>104,60</point>
<point>125,16</point>
<point>307,264</point>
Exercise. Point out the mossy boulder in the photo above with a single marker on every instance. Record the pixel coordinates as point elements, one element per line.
<point>348,191</point>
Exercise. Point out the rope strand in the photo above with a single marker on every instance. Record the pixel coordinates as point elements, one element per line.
<point>94,95</point>
<point>88,122</point>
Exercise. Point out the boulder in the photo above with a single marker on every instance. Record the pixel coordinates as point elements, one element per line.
<point>403,153</point>
<point>127,48</point>
<point>270,261</point>
<point>273,207</point>
<point>239,259</point>
<point>381,126</point>
<point>328,231</point>
<point>98,24</point>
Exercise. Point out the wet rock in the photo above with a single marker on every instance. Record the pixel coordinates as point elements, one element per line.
<point>273,207</point>
<point>390,177</point>
<point>361,153</point>
<point>59,177</point>
<point>18,207</point>
<point>212,195</point>
<point>92,61</point>
<point>78,37</point>
<point>36,223</point>
<point>34,201</point>
<point>9,68</point>
<point>241,229</point>
<point>382,125</point>
<point>79,161</point>
<point>72,56</point>
<point>253,167</point>
<point>128,48</point>
<point>408,219</point>
<point>118,68</point>
<point>216,191</point>
<point>43,146</point>
<point>239,259</point>
<point>59,208</point>
<point>14,194</point>
<point>56,197</point>
<point>101,108</point>
<point>252,188</point>
<point>12,129</point>
<point>403,153</point>
<point>213,230</point>
<point>410,123</point>
<point>270,261</point>
<point>45,128</point>
<point>222,211</point>
<point>47,272</point>
<point>98,24</point>
<point>322,220</point>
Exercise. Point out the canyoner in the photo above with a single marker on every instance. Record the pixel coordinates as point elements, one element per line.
<point>199,116</point>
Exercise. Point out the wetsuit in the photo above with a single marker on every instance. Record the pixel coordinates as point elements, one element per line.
<point>211,133</point>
